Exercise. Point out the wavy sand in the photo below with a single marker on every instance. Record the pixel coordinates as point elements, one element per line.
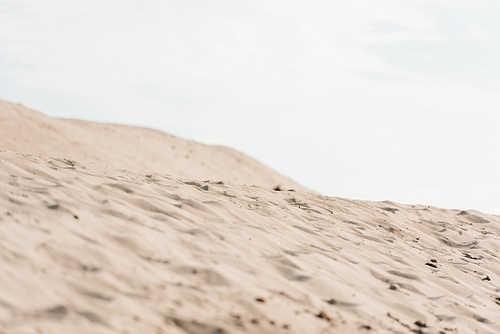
<point>87,248</point>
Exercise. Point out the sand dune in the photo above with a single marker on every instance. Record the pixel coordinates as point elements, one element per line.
<point>131,148</point>
<point>87,247</point>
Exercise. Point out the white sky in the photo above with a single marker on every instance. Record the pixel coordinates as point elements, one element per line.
<point>366,99</point>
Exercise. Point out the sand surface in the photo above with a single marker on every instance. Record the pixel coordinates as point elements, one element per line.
<point>86,247</point>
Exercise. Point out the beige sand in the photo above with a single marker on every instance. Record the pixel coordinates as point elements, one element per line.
<point>87,248</point>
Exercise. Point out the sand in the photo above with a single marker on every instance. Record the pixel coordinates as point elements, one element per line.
<point>91,248</point>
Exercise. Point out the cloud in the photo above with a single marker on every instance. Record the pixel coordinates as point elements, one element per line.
<point>367,95</point>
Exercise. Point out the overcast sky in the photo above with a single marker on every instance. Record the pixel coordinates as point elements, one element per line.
<point>364,99</point>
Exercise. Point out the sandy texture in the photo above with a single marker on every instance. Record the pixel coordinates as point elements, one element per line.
<point>86,248</point>
<point>131,148</point>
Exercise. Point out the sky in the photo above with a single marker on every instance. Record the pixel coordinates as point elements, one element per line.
<point>376,100</point>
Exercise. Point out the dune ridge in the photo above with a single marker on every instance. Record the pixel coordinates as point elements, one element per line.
<point>128,147</point>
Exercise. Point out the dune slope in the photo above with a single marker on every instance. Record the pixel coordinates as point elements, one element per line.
<point>86,248</point>
<point>128,147</point>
